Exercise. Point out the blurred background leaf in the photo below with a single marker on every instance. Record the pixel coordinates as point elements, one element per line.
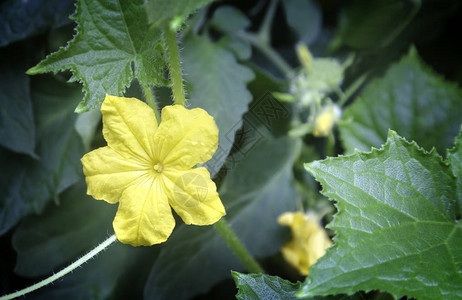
<point>304,18</point>
<point>21,19</point>
<point>410,99</point>
<point>216,82</point>
<point>28,184</point>
<point>17,128</point>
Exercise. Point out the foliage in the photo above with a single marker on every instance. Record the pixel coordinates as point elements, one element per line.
<point>395,221</point>
<point>364,95</point>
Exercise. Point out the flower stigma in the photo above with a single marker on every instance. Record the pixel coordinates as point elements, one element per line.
<point>158,167</point>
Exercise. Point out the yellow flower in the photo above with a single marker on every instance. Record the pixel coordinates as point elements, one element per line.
<point>148,169</point>
<point>326,119</point>
<point>323,123</point>
<point>309,241</point>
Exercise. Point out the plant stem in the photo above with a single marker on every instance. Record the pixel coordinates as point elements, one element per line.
<point>237,247</point>
<point>151,101</point>
<point>264,33</point>
<point>266,49</point>
<point>63,272</point>
<point>352,89</point>
<point>174,65</point>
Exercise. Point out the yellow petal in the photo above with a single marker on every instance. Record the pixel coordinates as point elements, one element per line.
<point>144,217</point>
<point>108,174</point>
<point>193,196</point>
<point>295,256</point>
<point>129,127</point>
<point>309,241</point>
<point>286,218</point>
<point>185,137</point>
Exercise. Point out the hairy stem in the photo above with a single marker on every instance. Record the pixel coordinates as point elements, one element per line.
<point>235,244</point>
<point>151,101</point>
<point>63,272</point>
<point>174,66</point>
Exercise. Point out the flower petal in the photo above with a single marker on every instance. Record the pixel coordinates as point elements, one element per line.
<point>193,196</point>
<point>185,137</point>
<point>144,217</point>
<point>108,174</point>
<point>129,127</point>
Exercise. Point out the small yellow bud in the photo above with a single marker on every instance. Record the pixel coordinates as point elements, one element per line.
<point>304,55</point>
<point>323,123</point>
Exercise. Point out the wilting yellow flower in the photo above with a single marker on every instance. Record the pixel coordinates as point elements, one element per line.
<point>148,169</point>
<point>309,241</point>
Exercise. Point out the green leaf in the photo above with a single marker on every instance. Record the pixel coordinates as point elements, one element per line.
<point>229,19</point>
<point>160,12</point>
<point>255,192</point>
<point>305,18</point>
<point>410,99</point>
<point>78,224</point>
<point>261,286</point>
<point>27,184</point>
<point>17,129</point>
<point>217,83</point>
<point>371,24</point>
<point>111,36</point>
<point>455,162</point>
<point>21,19</point>
<point>395,226</point>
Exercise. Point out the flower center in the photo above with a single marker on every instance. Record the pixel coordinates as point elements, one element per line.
<point>158,167</point>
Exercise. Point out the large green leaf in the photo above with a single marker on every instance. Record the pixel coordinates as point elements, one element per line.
<point>410,99</point>
<point>217,83</point>
<point>72,228</point>
<point>455,160</point>
<point>28,184</point>
<point>17,128</point>
<point>255,192</point>
<point>160,12</point>
<point>111,36</point>
<point>261,286</point>
<point>21,19</point>
<point>395,227</point>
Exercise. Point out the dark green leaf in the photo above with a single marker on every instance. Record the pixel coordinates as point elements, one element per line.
<point>395,226</point>
<point>27,184</point>
<point>242,49</point>
<point>17,129</point>
<point>260,286</point>
<point>71,229</point>
<point>370,24</point>
<point>255,192</point>
<point>455,161</point>
<point>217,83</point>
<point>304,17</point>
<point>229,19</point>
<point>160,12</point>
<point>21,19</point>
<point>111,36</point>
<point>410,99</point>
